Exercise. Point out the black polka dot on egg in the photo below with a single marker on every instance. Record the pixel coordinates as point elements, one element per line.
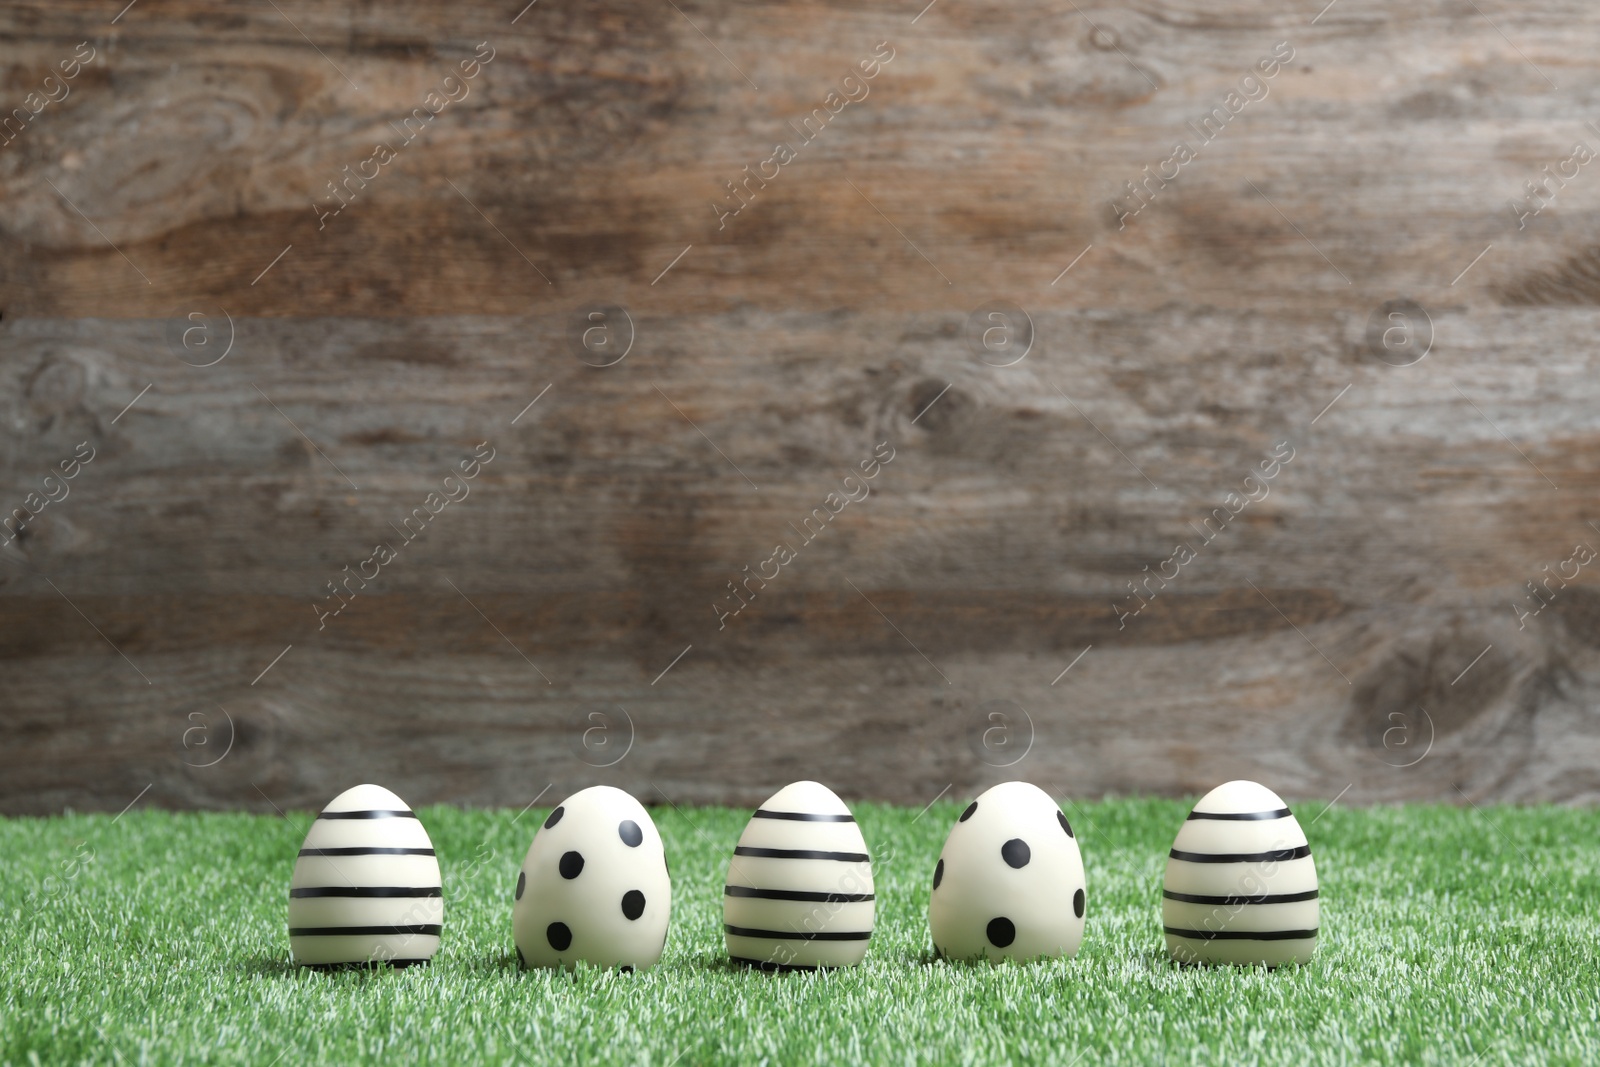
<point>633,904</point>
<point>522,883</point>
<point>938,874</point>
<point>560,937</point>
<point>572,865</point>
<point>1065,825</point>
<point>630,833</point>
<point>1016,853</point>
<point>1001,932</point>
<point>520,961</point>
<point>1077,903</point>
<point>971,809</point>
<point>555,817</point>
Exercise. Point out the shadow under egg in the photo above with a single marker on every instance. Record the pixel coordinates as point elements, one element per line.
<point>267,966</point>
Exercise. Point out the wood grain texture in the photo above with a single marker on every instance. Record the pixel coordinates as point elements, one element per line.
<point>1355,627</point>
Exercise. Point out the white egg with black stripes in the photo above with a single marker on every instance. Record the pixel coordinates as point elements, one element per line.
<point>594,886</point>
<point>799,891</point>
<point>1241,886</point>
<point>365,888</point>
<point>1009,882</point>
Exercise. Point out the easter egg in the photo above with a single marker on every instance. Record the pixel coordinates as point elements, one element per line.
<point>366,885</point>
<point>799,887</point>
<point>594,886</point>
<point>1241,886</point>
<point>1009,882</point>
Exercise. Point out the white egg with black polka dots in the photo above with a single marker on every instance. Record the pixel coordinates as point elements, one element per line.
<point>594,886</point>
<point>1009,882</point>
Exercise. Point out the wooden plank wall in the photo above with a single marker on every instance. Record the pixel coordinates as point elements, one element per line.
<point>1344,202</point>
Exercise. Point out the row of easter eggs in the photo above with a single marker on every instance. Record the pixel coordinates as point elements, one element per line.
<point>1240,885</point>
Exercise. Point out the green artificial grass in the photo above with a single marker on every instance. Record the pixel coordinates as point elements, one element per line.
<point>1449,935</point>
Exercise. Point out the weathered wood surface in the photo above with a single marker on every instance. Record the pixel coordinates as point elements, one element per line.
<point>1321,640</point>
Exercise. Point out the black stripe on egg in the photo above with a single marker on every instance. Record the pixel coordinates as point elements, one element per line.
<point>373,814</point>
<point>378,891</point>
<point>366,850</point>
<point>800,854</point>
<point>802,816</point>
<point>1241,935</point>
<point>340,931</point>
<point>799,935</point>
<point>1242,816</point>
<point>795,894</point>
<point>1233,901</point>
<point>768,965</point>
<point>1274,856</point>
